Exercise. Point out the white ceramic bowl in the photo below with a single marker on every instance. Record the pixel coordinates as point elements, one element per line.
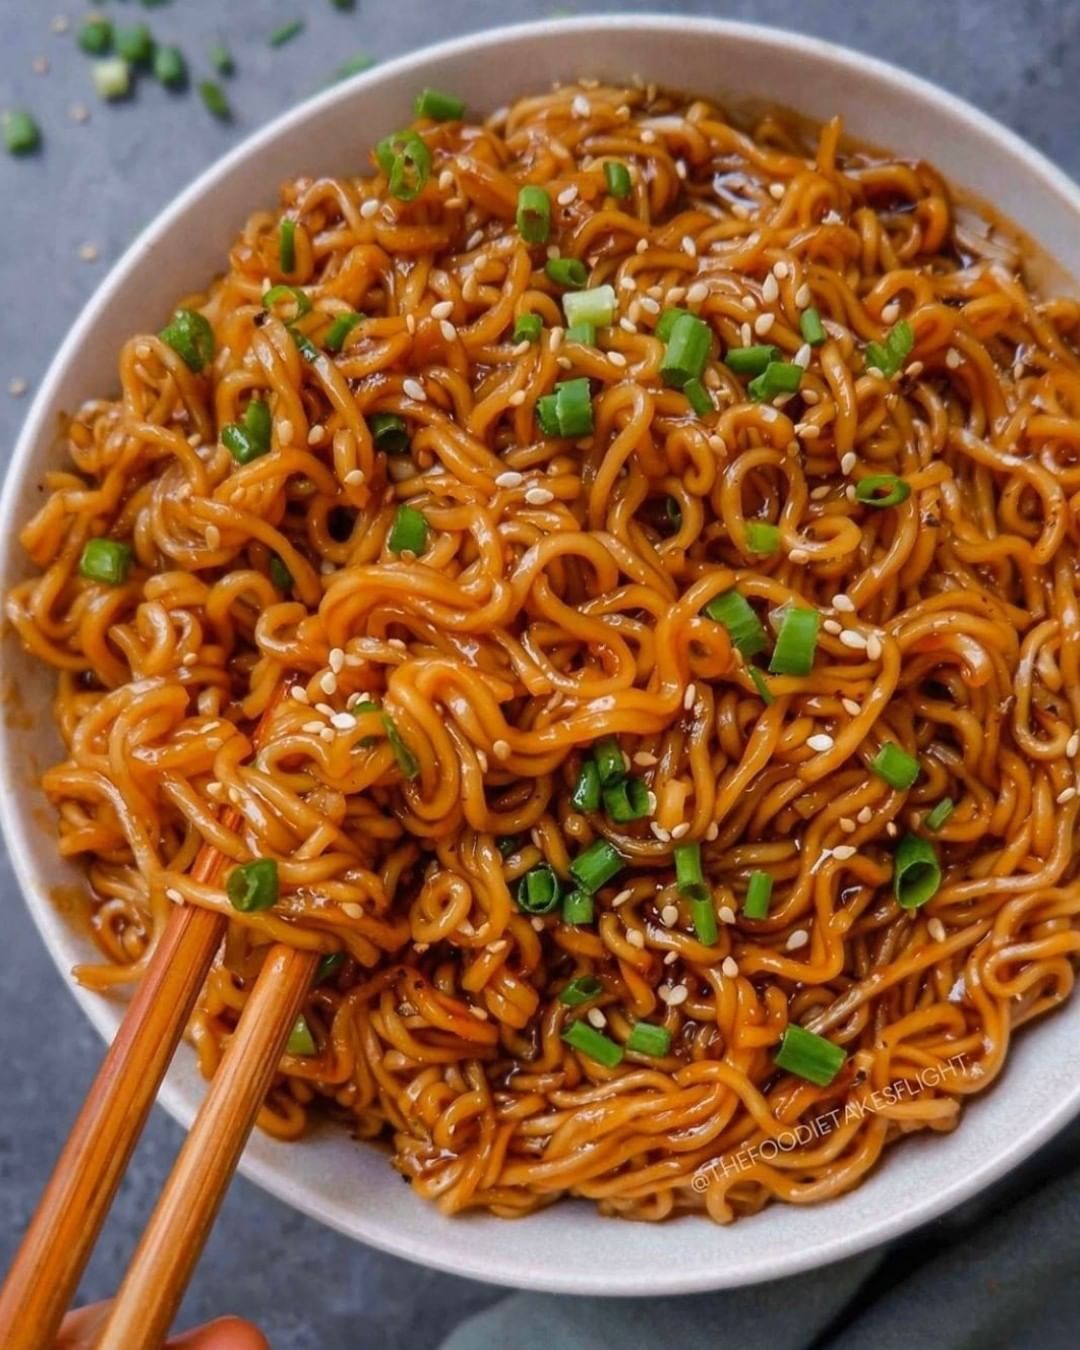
<point>350,1186</point>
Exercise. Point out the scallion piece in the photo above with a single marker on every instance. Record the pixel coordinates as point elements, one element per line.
<point>539,891</point>
<point>811,327</point>
<point>253,886</point>
<point>762,537</point>
<point>277,296</point>
<point>578,907</point>
<point>916,872</point>
<point>339,330</point>
<point>547,415</point>
<point>568,411</point>
<point>170,68</point>
<point>286,32</point>
<point>95,36</point>
<point>890,356</point>
<point>112,78</point>
<point>280,574</point>
<point>698,397</point>
<point>287,245</point>
<point>896,766</point>
<point>107,560</point>
<point>703,917</point>
<point>406,161</point>
<point>809,1056</point>
<point>609,761</point>
<point>389,433</point>
<point>581,990</point>
<point>585,333</point>
<point>22,136</point>
<point>408,532</point>
<point>778,377</point>
<point>743,625</point>
<point>304,344</point>
<point>301,1041</point>
<point>596,306</point>
<point>689,877</point>
<point>190,336</point>
<point>221,59</point>
<point>617,178</point>
<point>596,865</point>
<point>249,438</point>
<point>940,814</point>
<point>135,44</point>
<point>627,801</point>
<point>567,272</point>
<point>533,214</point>
<point>586,794</point>
<point>673,511</point>
<point>751,360</point>
<point>406,760</point>
<point>528,327</point>
<point>648,1039</point>
<point>759,683</point>
<point>882,490</point>
<point>593,1043</point>
<point>507,844</point>
<point>666,322</point>
<point>328,967</point>
<point>687,351</point>
<point>214,100</point>
<point>758,895</point>
<point>439,107</point>
<point>796,643</point>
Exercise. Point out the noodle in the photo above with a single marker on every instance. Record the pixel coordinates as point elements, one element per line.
<point>563,595</point>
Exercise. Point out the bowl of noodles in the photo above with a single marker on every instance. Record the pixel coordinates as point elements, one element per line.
<point>641,525</point>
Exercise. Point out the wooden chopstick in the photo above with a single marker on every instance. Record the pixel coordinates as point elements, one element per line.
<point>63,1229</point>
<point>173,1240</point>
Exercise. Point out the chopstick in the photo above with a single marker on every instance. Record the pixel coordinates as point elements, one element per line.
<point>63,1229</point>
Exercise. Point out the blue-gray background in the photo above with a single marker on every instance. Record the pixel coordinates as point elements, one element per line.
<point>98,183</point>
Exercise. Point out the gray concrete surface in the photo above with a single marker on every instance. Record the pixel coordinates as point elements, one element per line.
<point>98,183</point>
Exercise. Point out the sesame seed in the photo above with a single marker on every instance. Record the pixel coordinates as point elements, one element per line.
<point>677,996</point>
<point>675,294</point>
<point>846,824</point>
<point>678,831</point>
<point>649,305</point>
<point>299,693</point>
<point>660,832</point>
<point>847,464</point>
<point>622,898</point>
<point>688,246</point>
<point>820,742</point>
<point>481,1014</point>
<point>171,893</point>
<point>891,312</point>
<point>316,434</point>
<point>803,296</point>
<point>953,359</point>
<point>501,749</point>
<point>596,1018</point>
<point>539,496</point>
<point>446,180</point>
<point>509,478</point>
<point>343,721</point>
<point>1066,795</point>
<point>799,555</point>
<point>671,958</point>
<point>776,190</point>
<point>410,323</point>
<point>499,946</point>
<point>770,291</point>
<point>850,706</point>
<point>352,909</point>
<point>353,478</point>
<point>190,659</point>
<point>669,916</point>
<point>873,647</point>
<point>447,329</point>
<point>370,207</point>
<point>517,398</point>
<point>745,335</point>
<point>697,293</point>
<point>563,362</point>
<point>580,106</point>
<point>213,537</point>
<point>648,136</point>
<point>802,358</point>
<point>635,937</point>
<point>936,929</point>
<point>414,389</point>
<point>645,760</point>
<point>865,816</point>
<point>798,939</point>
<point>567,195</point>
<point>627,325</point>
<point>842,852</point>
<point>1072,746</point>
<point>328,683</point>
<point>763,323</point>
<point>843,603</point>
<point>819,494</point>
<point>336,659</point>
<point>442,310</point>
<point>831,626</point>
<point>916,369</point>
<point>713,832</point>
<point>474,240</point>
<point>850,637</point>
<point>642,246</point>
<point>689,696</point>
<point>730,967</point>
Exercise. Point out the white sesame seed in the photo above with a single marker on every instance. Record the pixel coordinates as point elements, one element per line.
<point>831,626</point>
<point>567,195</point>
<point>865,816</point>
<point>336,660</point>
<point>847,464</point>
<point>891,829</point>
<point>446,180</point>
<point>770,291</point>
<point>802,358</point>
<point>916,369</point>
<point>171,893</point>
<point>821,742</point>
<point>671,958</point>
<point>642,246</point>
<point>669,916</point>
<point>745,335</point>
<point>763,323</point>
<point>213,537</point>
<point>413,389</point>
<point>645,760</point>
<point>410,323</point>
<point>539,496</point>
<point>689,695</point>
<point>190,659</point>
<point>627,282</point>
<point>799,555</point>
<point>596,1018</point>
<point>776,190</point>
<point>617,359</point>
<point>627,325</point>
<point>442,310</point>
<point>660,832</point>
<point>803,296</point>
<point>891,312</point>
<point>353,478</point>
<point>563,362</point>
<point>299,693</point>
<point>370,207</point>
<point>343,721</point>
<point>726,914</point>
<point>1066,795</point>
<point>798,939</point>
<point>328,682</point>
<point>688,246</point>
<point>1072,746</point>
<point>846,824</point>
<point>553,251</point>
<point>697,293</point>
<point>713,832</point>
<point>850,706</point>
<point>580,106</point>
<point>352,909</point>
<point>842,852</point>
<point>649,305</point>
<point>622,898</point>
<point>635,937</point>
<point>501,749</point>
<point>316,434</point>
<point>678,831</point>
<point>447,329</point>
<point>509,478</point>
<point>936,929</point>
<point>850,637</point>
<point>648,136</point>
<point>843,603</point>
<point>730,967</point>
<point>517,398</point>
<point>953,359</point>
<point>677,996</point>
<point>819,494</point>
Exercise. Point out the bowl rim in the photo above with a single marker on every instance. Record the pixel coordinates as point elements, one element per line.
<point>579,1278</point>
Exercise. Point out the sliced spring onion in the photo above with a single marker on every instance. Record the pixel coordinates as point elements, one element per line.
<point>687,351</point>
<point>249,438</point>
<point>528,327</point>
<point>940,814</point>
<point>703,917</point>
<point>301,1041</point>
<point>916,872</point>
<point>881,490</point>
<point>170,68</point>
<point>568,411</point>
<point>762,537</point>
<point>304,345</point>
<point>409,531</point>
<point>280,574</point>
<point>689,877</point>
<point>566,272</point>
<point>585,333</point>
<point>547,415</point>
<point>796,643</point>
<point>389,433</point>
<point>112,78</point>
<point>406,161</point>
<point>339,330</point>
<point>596,306</point>
<point>810,1056</point>
<point>596,865</point>
<point>586,794</point>
<point>533,214</point>
<point>890,356</point>
<point>214,100</point>
<point>896,766</point>
<point>609,761</point>
<point>287,245</point>
<point>666,322</point>
<point>539,891</point>
<point>286,32</point>
<point>698,397</point>
<point>439,107</point>
<point>743,625</point>
<point>811,327</point>
<point>778,377</point>
<point>627,801</point>
<point>328,967</point>
<point>617,178</point>
<point>221,59</point>
<point>507,844</point>
<point>649,1039</point>
<point>253,885</point>
<point>135,44</point>
<point>190,336</point>
<point>581,990</point>
<point>673,511</point>
<point>761,686</point>
<point>758,895</point>
<point>406,760</point>
<point>578,907</point>
<point>593,1043</point>
<point>751,360</point>
<point>22,136</point>
<point>107,560</point>
<point>96,36</point>
<point>278,296</point>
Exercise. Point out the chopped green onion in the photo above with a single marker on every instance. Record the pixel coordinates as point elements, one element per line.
<point>301,1041</point>
<point>107,560</point>
<point>687,351</point>
<point>286,33</point>
<point>189,335</point>
<point>406,760</point>
<point>547,415</point>
<point>593,1043</point>
<point>287,245</point>
<point>408,532</point>
<point>135,44</point>
<point>689,877</point>
<point>881,490</point>
<point>439,107</point>
<point>528,327</point>
<point>596,306</point>
<point>758,895</point>
<point>811,327</point>
<point>567,272</point>
<point>596,865</point>
<point>585,333</point>
<point>251,437</point>
<point>214,100</point>
<point>507,844</point>
<point>95,36</point>
<point>406,161</point>
<point>533,214</point>
<point>539,891</point>
<point>796,643</point>
<point>897,348</point>
<point>22,135</point>
<point>578,907</point>
<point>586,794</point>
<point>221,59</point>
<point>699,398</point>
<point>304,345</point>
<point>743,625</point>
<point>917,872</point>
<point>389,433</point>
<point>778,377</point>
<point>648,1039</point>
<point>809,1056</point>
<point>280,574</point>
<point>568,411</point>
<point>627,801</point>
<point>328,966</point>
<point>896,766</point>
<point>253,886</point>
<point>703,917</point>
<point>112,78</point>
<point>339,330</point>
<point>276,294</point>
<point>673,511</point>
<point>609,761</point>
<point>666,322</point>
<point>761,686</point>
<point>581,990</point>
<point>762,537</point>
<point>940,814</point>
<point>617,178</point>
<point>170,68</point>
<point>751,360</point>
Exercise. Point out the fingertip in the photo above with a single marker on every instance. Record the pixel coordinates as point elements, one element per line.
<point>225,1333</point>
